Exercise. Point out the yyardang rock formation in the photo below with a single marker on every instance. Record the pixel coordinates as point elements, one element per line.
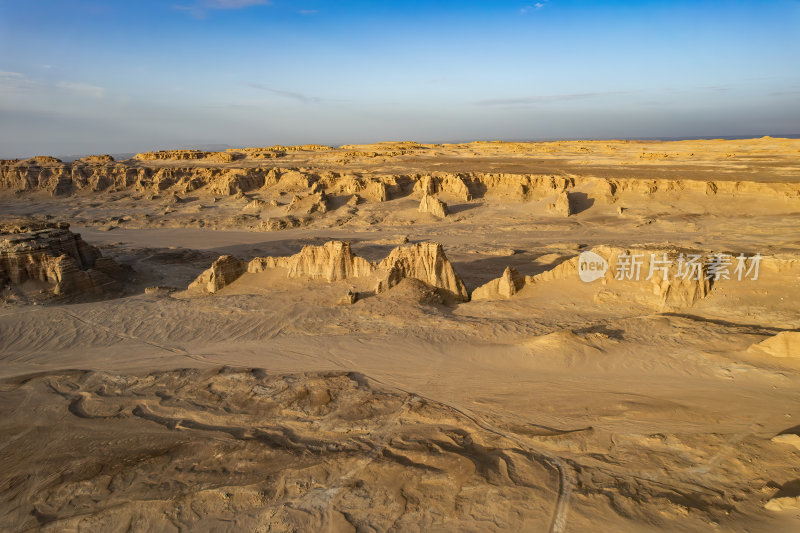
<point>222,272</point>
<point>335,261</point>
<point>432,205</point>
<point>424,261</point>
<point>505,286</point>
<point>52,255</point>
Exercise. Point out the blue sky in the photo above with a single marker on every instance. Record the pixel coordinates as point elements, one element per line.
<point>89,76</point>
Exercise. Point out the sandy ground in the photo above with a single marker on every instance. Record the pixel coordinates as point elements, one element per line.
<point>269,406</point>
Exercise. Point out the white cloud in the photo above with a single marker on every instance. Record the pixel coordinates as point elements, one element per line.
<point>527,9</point>
<point>83,89</point>
<point>7,74</point>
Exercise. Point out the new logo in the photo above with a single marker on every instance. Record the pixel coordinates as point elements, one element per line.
<point>591,266</point>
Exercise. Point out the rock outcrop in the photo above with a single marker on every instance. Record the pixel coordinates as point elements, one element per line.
<point>376,191</point>
<point>675,290</point>
<point>562,205</point>
<point>313,203</point>
<point>98,159</point>
<point>221,173</point>
<point>184,155</point>
<point>424,261</point>
<point>424,186</point>
<point>505,286</point>
<point>222,272</point>
<point>335,261</point>
<point>58,259</point>
<point>432,205</point>
<point>455,186</point>
<point>450,184</point>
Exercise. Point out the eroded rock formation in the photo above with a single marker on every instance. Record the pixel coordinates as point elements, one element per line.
<point>335,261</point>
<point>674,289</point>
<point>432,205</point>
<point>424,261</point>
<point>222,272</point>
<point>505,286</point>
<point>562,205</point>
<point>56,258</point>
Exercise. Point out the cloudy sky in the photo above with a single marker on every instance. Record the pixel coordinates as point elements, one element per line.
<point>91,76</point>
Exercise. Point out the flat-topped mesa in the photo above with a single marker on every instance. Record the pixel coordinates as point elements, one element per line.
<point>184,155</point>
<point>96,159</point>
<point>51,254</point>
<point>424,261</point>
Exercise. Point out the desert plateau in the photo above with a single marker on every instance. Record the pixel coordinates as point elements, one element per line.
<point>398,336</point>
<point>305,266</point>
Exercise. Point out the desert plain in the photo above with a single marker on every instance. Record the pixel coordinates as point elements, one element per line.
<point>398,337</point>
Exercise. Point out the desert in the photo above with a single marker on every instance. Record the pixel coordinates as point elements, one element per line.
<point>306,266</point>
<point>196,341</point>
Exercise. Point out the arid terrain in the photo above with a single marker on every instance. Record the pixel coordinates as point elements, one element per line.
<point>399,337</point>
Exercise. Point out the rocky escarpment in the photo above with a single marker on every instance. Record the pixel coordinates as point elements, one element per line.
<point>335,261</point>
<point>214,173</point>
<point>56,261</point>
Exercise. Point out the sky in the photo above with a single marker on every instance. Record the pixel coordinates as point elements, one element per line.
<point>91,76</point>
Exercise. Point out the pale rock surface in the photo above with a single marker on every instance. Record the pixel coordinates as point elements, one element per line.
<point>424,261</point>
<point>425,186</point>
<point>505,286</point>
<point>222,272</point>
<point>562,205</point>
<point>376,191</point>
<point>313,203</point>
<point>432,205</point>
<point>674,292</point>
<point>455,186</point>
<point>332,261</point>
